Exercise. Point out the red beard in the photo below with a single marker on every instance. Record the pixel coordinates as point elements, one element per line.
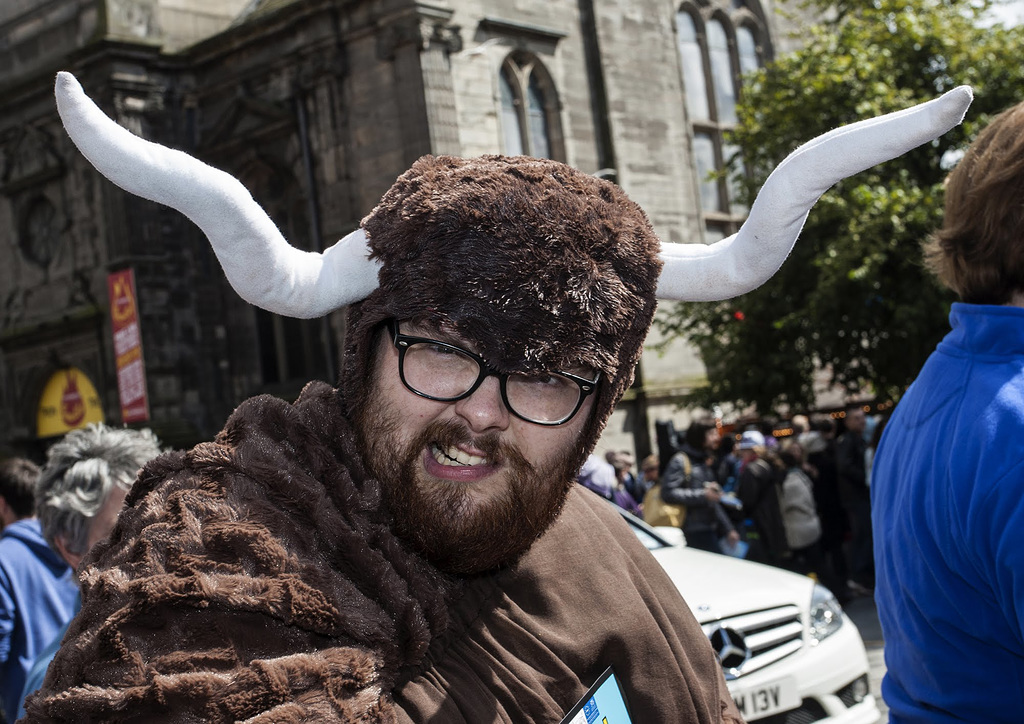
<point>438,518</point>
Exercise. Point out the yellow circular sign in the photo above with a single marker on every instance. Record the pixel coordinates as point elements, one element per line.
<point>69,401</point>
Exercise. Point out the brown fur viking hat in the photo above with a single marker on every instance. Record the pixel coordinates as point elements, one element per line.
<point>544,263</point>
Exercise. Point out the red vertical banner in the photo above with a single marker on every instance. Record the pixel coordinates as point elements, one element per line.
<point>131,372</point>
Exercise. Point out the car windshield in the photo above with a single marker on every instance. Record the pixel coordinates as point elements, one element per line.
<point>645,533</point>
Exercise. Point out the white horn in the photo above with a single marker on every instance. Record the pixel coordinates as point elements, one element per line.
<point>259,263</point>
<point>747,259</point>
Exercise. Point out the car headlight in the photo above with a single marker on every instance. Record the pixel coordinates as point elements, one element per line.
<point>826,614</point>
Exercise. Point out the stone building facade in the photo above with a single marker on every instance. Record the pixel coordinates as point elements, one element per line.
<point>317,105</point>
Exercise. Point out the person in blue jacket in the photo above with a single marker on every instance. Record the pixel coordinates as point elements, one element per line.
<point>80,493</point>
<point>37,593</point>
<point>948,481</point>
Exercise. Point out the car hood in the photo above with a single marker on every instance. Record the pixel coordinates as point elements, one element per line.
<point>717,586</point>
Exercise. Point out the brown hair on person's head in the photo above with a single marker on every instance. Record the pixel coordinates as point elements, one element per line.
<point>979,252</point>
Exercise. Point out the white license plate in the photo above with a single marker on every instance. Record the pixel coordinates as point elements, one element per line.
<point>771,698</point>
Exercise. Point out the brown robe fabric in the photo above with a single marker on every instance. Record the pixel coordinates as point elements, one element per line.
<point>256,579</point>
<point>524,645</point>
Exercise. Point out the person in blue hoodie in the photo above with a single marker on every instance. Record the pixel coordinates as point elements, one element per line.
<point>37,592</point>
<point>948,481</point>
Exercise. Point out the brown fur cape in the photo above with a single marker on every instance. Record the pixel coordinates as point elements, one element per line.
<point>254,578</point>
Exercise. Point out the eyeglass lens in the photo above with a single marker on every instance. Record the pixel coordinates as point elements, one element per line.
<point>443,372</point>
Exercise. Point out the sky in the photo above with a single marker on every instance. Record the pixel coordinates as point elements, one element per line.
<point>1010,13</point>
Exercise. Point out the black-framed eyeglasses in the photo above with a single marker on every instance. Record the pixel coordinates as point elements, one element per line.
<point>444,372</point>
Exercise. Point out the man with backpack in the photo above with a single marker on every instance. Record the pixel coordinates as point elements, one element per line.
<point>690,481</point>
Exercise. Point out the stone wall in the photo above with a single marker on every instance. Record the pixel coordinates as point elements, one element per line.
<point>317,106</point>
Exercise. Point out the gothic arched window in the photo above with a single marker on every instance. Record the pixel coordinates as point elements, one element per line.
<point>718,44</point>
<point>39,232</point>
<point>529,108</point>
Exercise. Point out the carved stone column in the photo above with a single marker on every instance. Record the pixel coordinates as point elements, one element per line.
<point>419,44</point>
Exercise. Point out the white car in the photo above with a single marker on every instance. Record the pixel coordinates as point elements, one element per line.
<point>789,653</point>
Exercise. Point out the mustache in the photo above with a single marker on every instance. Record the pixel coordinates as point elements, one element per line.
<point>451,433</point>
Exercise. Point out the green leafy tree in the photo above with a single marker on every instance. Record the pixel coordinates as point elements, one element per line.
<point>853,298</point>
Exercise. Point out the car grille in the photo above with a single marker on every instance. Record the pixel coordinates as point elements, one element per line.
<point>751,641</point>
<point>853,693</point>
<point>811,710</point>
<point>808,712</point>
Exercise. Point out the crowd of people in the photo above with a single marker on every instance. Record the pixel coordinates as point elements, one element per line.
<point>800,502</point>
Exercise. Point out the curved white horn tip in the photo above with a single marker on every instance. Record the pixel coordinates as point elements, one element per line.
<point>963,96</point>
<point>66,83</point>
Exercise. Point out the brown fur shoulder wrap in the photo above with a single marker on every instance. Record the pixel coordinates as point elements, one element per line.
<point>255,579</point>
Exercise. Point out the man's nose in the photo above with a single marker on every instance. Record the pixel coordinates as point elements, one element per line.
<point>484,409</point>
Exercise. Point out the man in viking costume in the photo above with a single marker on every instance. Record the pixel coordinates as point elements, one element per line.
<point>410,547</point>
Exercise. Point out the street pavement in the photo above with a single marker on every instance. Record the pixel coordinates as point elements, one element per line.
<point>862,612</point>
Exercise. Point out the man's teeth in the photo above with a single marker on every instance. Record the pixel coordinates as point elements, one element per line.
<point>453,456</point>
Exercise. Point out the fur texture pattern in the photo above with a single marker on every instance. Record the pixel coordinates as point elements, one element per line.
<point>255,578</point>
